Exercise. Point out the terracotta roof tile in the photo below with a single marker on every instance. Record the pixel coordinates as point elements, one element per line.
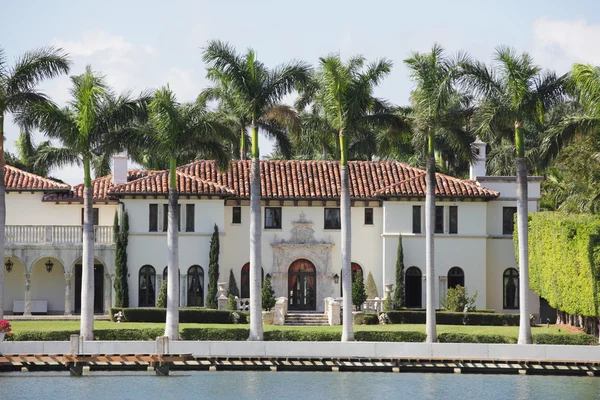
<point>16,179</point>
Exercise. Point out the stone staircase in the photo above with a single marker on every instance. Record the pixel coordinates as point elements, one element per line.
<point>306,319</point>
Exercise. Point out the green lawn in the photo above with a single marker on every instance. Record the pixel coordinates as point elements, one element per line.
<point>20,326</point>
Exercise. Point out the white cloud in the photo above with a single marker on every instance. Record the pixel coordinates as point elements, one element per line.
<point>557,44</point>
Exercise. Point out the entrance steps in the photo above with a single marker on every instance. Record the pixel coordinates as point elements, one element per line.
<point>306,319</point>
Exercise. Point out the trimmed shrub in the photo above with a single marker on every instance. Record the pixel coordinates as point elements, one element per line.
<point>302,336</point>
<point>457,299</point>
<point>162,295</point>
<point>232,287</point>
<point>359,296</point>
<point>581,339</point>
<point>268,294</point>
<point>398,302</point>
<point>99,334</point>
<point>454,318</point>
<point>231,303</point>
<point>235,334</point>
<point>186,315</point>
<point>371,287</point>
<point>389,336</point>
<point>213,270</point>
<point>472,338</point>
<point>366,319</point>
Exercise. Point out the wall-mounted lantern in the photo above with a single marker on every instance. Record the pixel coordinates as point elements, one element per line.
<point>49,264</point>
<point>8,264</point>
<point>336,279</point>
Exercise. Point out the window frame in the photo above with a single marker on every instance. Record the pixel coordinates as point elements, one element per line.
<point>511,222</point>
<point>95,216</point>
<point>369,216</point>
<point>275,224</point>
<point>190,224</point>
<point>236,211</point>
<point>325,220</point>
<point>417,222</point>
<point>147,294</point>
<point>508,274</point>
<point>453,220</point>
<point>439,219</point>
<point>153,220</point>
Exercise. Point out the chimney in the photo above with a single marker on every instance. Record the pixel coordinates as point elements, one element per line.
<point>478,163</point>
<point>119,168</point>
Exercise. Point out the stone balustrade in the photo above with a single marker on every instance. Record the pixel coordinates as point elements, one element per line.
<point>55,234</point>
<point>243,304</point>
<point>373,305</point>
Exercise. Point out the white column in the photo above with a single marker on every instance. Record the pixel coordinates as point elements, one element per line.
<point>27,294</point>
<point>443,289</point>
<point>107,293</point>
<point>68,304</point>
<point>182,290</point>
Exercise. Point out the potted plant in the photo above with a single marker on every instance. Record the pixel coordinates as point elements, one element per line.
<point>4,329</point>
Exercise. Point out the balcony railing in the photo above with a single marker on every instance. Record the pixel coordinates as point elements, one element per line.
<point>55,234</point>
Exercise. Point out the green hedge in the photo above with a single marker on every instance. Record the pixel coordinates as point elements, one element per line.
<point>186,315</point>
<point>453,318</point>
<point>471,338</point>
<point>564,261</point>
<point>581,339</point>
<point>99,334</point>
<point>366,319</point>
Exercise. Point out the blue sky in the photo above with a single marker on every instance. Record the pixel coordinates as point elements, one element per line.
<point>146,44</point>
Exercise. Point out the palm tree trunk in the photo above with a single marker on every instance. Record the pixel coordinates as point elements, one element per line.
<point>87,268</point>
<point>256,327</point>
<point>522,232</point>
<point>242,144</point>
<point>2,215</point>
<point>430,328</point>
<point>172,321</point>
<point>347,328</point>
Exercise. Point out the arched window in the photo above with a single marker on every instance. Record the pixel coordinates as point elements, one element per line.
<point>456,277</point>
<point>245,284</point>
<point>413,288</point>
<point>166,273</point>
<point>355,268</point>
<point>510,289</point>
<point>195,289</point>
<point>147,287</point>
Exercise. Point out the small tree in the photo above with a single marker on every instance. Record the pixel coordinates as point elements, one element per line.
<point>121,237</point>
<point>231,304</point>
<point>213,270</point>
<point>268,294</point>
<point>371,287</point>
<point>399,290</point>
<point>233,287</point>
<point>162,295</point>
<point>359,295</point>
<point>457,299</point>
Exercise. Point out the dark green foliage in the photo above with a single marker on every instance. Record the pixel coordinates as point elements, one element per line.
<point>454,318</point>
<point>359,296</point>
<point>581,339</point>
<point>564,261</point>
<point>121,236</point>
<point>186,315</point>
<point>366,319</point>
<point>99,334</point>
<point>302,336</point>
<point>231,303</point>
<point>162,295</point>
<point>399,289</point>
<point>371,287</point>
<point>268,294</point>
<point>472,338</point>
<point>234,334</point>
<point>389,336</point>
<point>457,298</point>
<point>213,270</point>
<point>233,287</point>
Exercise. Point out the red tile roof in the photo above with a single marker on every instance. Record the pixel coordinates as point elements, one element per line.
<point>16,179</point>
<point>100,188</point>
<point>294,179</point>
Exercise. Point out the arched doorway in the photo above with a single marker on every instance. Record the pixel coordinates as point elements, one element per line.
<point>98,287</point>
<point>147,287</point>
<point>413,288</point>
<point>510,289</point>
<point>355,269</point>
<point>302,285</point>
<point>456,277</point>
<point>195,289</point>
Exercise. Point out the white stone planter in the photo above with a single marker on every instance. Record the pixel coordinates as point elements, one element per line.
<point>267,317</point>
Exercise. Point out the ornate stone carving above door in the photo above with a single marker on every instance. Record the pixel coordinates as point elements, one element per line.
<point>303,244</point>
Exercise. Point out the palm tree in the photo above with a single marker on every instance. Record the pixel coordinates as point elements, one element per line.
<point>28,153</point>
<point>179,132</point>
<point>257,91</point>
<point>83,126</point>
<point>342,100</point>
<point>17,93</point>
<point>515,93</point>
<point>434,74</point>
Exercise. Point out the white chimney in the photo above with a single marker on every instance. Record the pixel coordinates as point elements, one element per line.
<point>119,168</point>
<point>478,163</point>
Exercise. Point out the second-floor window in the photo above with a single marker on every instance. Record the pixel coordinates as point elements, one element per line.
<point>453,222</point>
<point>272,217</point>
<point>508,220</point>
<point>416,219</point>
<point>236,215</point>
<point>190,215</point>
<point>368,216</point>
<point>332,218</point>
<point>158,217</point>
<point>95,216</point>
<point>439,219</point>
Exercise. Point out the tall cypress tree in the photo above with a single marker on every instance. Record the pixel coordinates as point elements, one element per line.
<point>399,291</point>
<point>213,270</point>
<point>233,287</point>
<point>121,236</point>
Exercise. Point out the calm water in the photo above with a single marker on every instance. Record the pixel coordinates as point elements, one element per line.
<point>295,385</point>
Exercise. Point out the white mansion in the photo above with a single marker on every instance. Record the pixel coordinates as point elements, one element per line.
<point>301,232</point>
